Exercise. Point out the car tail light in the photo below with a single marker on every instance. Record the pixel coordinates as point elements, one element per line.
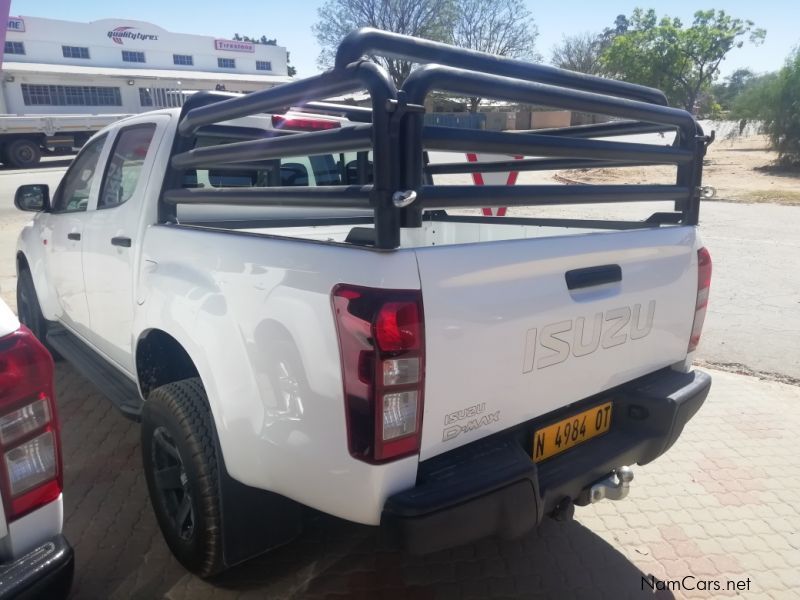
<point>703,286</point>
<point>303,123</point>
<point>382,345</point>
<point>30,470</point>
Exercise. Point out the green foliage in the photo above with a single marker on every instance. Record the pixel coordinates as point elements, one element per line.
<point>726,93</point>
<point>774,101</point>
<point>262,40</point>
<point>663,53</point>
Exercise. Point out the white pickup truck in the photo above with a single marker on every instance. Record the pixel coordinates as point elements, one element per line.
<point>283,301</point>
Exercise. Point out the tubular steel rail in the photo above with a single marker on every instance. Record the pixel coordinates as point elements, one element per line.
<point>393,129</point>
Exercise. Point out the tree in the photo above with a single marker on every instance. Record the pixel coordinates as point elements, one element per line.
<point>580,52</point>
<point>682,61</point>
<point>290,70</point>
<point>262,40</point>
<point>774,101</point>
<point>725,93</point>
<point>501,27</point>
<point>431,19</point>
<point>621,26</point>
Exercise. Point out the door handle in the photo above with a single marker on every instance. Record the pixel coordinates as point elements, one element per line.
<point>591,276</point>
<point>74,236</point>
<point>124,242</point>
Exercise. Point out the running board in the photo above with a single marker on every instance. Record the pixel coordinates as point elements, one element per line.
<point>110,381</point>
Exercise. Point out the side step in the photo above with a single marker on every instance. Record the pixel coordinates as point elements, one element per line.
<point>110,381</point>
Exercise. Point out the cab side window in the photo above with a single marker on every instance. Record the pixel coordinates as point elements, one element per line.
<point>125,164</point>
<point>73,194</point>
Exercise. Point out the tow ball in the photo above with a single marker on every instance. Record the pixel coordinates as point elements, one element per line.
<point>614,487</point>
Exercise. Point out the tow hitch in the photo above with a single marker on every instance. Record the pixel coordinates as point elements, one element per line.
<point>614,487</point>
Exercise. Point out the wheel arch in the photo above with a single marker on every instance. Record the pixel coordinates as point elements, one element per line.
<point>36,138</point>
<point>40,285</point>
<point>161,359</point>
<point>30,256</point>
<point>22,262</point>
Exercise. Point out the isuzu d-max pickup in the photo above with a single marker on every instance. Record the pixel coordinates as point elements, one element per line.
<point>273,285</point>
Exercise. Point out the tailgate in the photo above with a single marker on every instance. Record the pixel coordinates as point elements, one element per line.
<point>507,341</point>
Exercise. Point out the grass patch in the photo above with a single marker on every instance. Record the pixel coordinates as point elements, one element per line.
<point>787,197</point>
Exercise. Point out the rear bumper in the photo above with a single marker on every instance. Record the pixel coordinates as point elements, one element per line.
<point>492,487</point>
<point>44,572</point>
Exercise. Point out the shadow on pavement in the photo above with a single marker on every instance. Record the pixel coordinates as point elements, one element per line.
<point>339,559</point>
<point>120,552</point>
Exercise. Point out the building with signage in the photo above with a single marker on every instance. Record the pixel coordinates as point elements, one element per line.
<point>117,66</point>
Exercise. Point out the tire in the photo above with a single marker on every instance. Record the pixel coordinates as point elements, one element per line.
<point>179,452</point>
<point>23,153</point>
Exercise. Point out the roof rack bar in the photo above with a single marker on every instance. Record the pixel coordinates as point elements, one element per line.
<point>374,42</point>
<point>527,164</point>
<point>328,196</point>
<point>264,223</point>
<point>501,142</point>
<point>353,77</point>
<point>465,196</point>
<point>230,132</point>
<point>359,114</point>
<point>262,165</point>
<point>542,222</point>
<point>470,83</point>
<point>609,129</point>
<point>306,144</point>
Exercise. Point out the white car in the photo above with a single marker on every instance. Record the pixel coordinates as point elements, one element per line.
<point>36,561</point>
<point>284,303</point>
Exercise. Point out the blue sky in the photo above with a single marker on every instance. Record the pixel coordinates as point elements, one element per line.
<point>290,22</point>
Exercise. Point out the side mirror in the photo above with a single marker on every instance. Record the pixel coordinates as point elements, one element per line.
<point>33,197</point>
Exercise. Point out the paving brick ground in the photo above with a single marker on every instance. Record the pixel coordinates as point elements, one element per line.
<point>721,505</point>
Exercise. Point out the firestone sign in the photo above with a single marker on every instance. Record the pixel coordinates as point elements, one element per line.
<point>120,33</point>
<point>234,46</point>
<point>15,24</point>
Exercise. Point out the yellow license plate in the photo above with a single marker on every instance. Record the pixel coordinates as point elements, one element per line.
<point>558,437</point>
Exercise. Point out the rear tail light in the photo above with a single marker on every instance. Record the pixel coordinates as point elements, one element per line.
<point>381,340</point>
<point>303,123</point>
<point>703,286</point>
<point>30,470</point>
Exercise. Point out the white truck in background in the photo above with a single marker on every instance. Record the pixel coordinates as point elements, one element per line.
<point>24,139</point>
<point>283,301</point>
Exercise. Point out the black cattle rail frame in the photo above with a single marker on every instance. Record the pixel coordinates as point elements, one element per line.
<point>394,130</point>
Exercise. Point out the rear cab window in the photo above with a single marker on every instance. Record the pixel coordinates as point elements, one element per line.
<point>293,171</point>
<point>125,164</point>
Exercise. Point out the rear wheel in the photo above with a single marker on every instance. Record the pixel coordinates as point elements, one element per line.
<point>179,452</point>
<point>23,153</point>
